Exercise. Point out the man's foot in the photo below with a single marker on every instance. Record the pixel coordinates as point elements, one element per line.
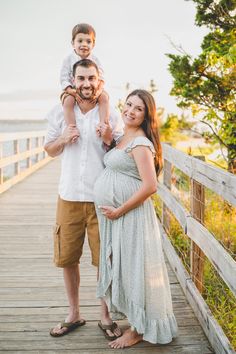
<point>128,339</point>
<point>65,327</point>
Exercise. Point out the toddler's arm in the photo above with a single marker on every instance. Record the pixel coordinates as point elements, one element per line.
<point>66,74</point>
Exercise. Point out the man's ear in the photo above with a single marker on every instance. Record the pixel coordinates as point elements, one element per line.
<point>73,80</point>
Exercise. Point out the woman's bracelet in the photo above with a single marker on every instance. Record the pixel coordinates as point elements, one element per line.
<point>111,145</point>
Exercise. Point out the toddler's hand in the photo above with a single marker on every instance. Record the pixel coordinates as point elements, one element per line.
<point>78,98</point>
<point>71,91</point>
<point>106,133</point>
<point>98,130</point>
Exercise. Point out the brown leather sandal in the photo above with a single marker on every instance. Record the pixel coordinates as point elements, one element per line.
<point>70,326</point>
<point>111,328</point>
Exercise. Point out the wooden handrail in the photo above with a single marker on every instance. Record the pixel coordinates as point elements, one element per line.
<point>219,181</point>
<point>205,244</point>
<point>219,257</point>
<point>31,156</point>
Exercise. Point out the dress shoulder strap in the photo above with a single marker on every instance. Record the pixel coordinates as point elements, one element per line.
<point>140,141</point>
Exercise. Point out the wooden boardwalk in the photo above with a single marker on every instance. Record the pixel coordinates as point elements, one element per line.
<point>32,296</point>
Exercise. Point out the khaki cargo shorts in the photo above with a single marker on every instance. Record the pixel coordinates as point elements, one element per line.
<point>73,221</point>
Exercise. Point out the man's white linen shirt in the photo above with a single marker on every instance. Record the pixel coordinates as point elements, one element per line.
<point>66,76</point>
<point>82,161</point>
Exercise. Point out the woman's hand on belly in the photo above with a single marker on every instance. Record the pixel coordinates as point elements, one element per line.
<point>110,212</point>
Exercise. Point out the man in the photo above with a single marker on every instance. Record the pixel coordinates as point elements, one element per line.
<point>82,161</point>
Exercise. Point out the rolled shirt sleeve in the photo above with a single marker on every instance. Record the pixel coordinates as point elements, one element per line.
<point>55,119</point>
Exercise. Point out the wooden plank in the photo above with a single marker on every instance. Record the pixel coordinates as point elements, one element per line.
<point>12,181</point>
<point>221,182</point>
<point>187,349</point>
<point>16,153</point>
<point>219,257</point>
<point>181,307</point>
<point>167,183</point>
<point>5,161</point>
<point>197,257</point>
<point>214,332</point>
<point>1,155</point>
<point>173,204</point>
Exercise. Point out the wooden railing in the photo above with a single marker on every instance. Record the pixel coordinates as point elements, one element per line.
<point>203,243</point>
<point>20,155</point>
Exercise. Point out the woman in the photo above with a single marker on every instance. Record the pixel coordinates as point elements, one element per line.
<point>132,274</point>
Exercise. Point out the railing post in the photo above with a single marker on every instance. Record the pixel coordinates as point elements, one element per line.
<point>44,152</point>
<point>28,147</point>
<point>197,206</point>
<point>167,182</point>
<point>16,152</point>
<point>1,170</point>
<point>37,145</point>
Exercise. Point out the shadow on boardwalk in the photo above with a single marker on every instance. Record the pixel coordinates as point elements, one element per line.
<point>32,297</point>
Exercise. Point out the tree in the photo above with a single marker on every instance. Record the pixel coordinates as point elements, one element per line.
<point>207,83</point>
<point>171,130</point>
<point>152,87</point>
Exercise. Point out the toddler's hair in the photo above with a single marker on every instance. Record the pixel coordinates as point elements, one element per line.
<point>85,63</point>
<point>83,28</point>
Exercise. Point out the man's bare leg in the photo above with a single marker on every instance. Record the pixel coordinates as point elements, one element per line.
<point>71,281</point>
<point>128,339</point>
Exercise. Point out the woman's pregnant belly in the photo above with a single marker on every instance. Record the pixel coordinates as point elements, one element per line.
<point>113,188</point>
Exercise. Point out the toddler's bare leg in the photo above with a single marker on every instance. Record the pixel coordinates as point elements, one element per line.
<point>104,112</point>
<point>68,108</point>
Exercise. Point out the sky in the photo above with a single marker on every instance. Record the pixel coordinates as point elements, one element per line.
<point>133,37</point>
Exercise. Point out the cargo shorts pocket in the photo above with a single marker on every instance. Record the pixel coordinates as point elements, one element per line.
<point>56,235</point>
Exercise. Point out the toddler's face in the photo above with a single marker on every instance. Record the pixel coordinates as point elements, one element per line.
<point>83,44</point>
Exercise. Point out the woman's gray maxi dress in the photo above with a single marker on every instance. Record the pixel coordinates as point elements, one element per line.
<point>134,280</point>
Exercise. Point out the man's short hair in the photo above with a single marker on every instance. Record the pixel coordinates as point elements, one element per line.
<point>85,63</point>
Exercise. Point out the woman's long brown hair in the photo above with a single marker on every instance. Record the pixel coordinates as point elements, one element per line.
<point>150,125</point>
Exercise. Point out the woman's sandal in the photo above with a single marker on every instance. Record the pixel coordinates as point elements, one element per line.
<point>111,328</point>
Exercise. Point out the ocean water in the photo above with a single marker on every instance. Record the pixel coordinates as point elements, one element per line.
<point>10,126</point>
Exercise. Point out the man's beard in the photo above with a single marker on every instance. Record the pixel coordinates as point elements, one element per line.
<point>87,98</point>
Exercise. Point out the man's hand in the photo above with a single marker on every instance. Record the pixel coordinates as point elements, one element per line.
<point>70,134</point>
<point>105,132</point>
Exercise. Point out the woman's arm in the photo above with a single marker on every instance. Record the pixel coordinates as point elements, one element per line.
<point>145,164</point>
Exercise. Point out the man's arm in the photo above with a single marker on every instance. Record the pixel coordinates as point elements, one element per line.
<point>55,147</point>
